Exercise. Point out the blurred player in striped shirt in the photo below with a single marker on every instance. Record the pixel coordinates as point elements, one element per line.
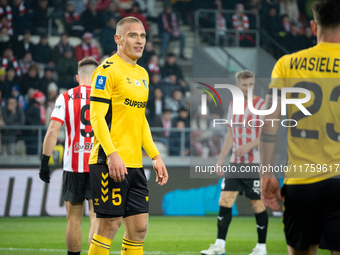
<point>73,108</point>
<point>243,139</point>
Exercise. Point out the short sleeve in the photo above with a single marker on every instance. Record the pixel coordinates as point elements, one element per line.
<point>58,112</point>
<point>277,79</point>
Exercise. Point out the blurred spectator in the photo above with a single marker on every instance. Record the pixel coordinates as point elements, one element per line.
<point>71,20</point>
<point>46,80</point>
<point>30,80</point>
<point>12,115</point>
<point>87,48</point>
<point>155,105</point>
<point>171,67</point>
<point>215,144</point>
<point>214,109</point>
<point>184,8</point>
<point>148,52</point>
<point>168,30</point>
<point>163,121</point>
<point>25,45</point>
<point>22,16</point>
<point>153,65</point>
<point>183,115</point>
<point>196,145</point>
<point>175,141</point>
<point>102,5</point>
<point>290,8</point>
<point>91,19</point>
<point>26,62</point>
<point>61,47</point>
<point>8,60</point>
<point>112,12</point>
<point>41,18</point>
<point>22,102</point>
<point>124,5</point>
<point>285,22</point>
<point>52,94</point>
<point>169,84</point>
<point>35,115</point>
<point>135,12</point>
<point>107,39</point>
<point>6,16</point>
<point>241,23</point>
<point>11,80</point>
<point>221,25</point>
<point>67,68</point>
<point>59,6</point>
<point>4,90</point>
<point>308,39</point>
<point>148,8</point>
<point>43,52</point>
<point>267,4</point>
<point>6,41</point>
<point>175,102</point>
<point>293,41</point>
<point>274,27</point>
<point>79,6</point>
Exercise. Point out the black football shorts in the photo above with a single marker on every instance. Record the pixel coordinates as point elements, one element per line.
<point>312,214</point>
<point>115,199</point>
<point>76,186</point>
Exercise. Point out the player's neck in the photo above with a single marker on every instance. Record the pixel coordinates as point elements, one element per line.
<point>329,36</point>
<point>126,58</point>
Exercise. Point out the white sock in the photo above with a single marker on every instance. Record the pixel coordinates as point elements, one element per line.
<point>220,243</point>
<point>261,246</point>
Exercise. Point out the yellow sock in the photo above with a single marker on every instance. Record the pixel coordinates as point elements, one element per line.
<point>132,247</point>
<point>100,245</point>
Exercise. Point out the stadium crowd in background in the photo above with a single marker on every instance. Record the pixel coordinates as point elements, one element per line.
<point>86,28</point>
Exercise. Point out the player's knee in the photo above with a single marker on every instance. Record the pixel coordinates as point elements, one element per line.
<point>226,201</point>
<point>257,206</point>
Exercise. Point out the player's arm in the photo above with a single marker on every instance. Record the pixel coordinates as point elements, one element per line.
<point>100,101</point>
<point>228,144</point>
<point>268,137</point>
<point>49,143</point>
<point>244,149</point>
<point>157,162</point>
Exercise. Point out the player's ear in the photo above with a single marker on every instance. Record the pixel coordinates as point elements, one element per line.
<point>77,77</point>
<point>313,26</point>
<point>117,40</point>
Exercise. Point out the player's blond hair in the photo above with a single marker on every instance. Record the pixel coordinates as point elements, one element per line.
<point>126,20</point>
<point>244,74</point>
<point>90,61</point>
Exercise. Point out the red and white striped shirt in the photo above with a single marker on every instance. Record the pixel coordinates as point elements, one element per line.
<point>243,130</point>
<point>73,108</point>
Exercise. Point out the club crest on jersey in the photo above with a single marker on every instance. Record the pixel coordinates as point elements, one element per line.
<point>145,83</point>
<point>137,82</point>
<point>100,82</point>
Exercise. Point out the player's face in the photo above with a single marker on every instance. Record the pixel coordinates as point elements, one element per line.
<point>132,40</point>
<point>244,84</point>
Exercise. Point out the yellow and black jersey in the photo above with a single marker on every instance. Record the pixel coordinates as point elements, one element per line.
<point>119,95</point>
<point>314,143</point>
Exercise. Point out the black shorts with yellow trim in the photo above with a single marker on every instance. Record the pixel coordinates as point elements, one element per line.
<point>76,187</point>
<point>312,214</point>
<point>115,199</point>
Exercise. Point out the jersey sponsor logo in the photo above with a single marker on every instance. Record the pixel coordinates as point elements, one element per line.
<point>128,80</point>
<point>57,107</point>
<point>137,82</point>
<point>133,103</point>
<point>87,147</point>
<point>145,83</point>
<point>100,82</point>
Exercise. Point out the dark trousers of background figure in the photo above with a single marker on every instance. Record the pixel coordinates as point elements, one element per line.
<point>166,38</point>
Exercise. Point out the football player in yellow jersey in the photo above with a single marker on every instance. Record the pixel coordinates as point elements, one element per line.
<point>312,190</point>
<point>119,95</point>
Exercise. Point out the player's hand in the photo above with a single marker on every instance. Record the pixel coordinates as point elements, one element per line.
<point>44,171</point>
<point>219,165</point>
<point>160,169</point>
<point>269,188</point>
<point>242,150</point>
<point>117,168</point>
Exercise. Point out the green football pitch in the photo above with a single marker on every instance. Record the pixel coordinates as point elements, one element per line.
<point>166,235</point>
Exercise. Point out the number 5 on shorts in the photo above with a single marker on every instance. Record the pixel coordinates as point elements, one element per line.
<point>116,195</point>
